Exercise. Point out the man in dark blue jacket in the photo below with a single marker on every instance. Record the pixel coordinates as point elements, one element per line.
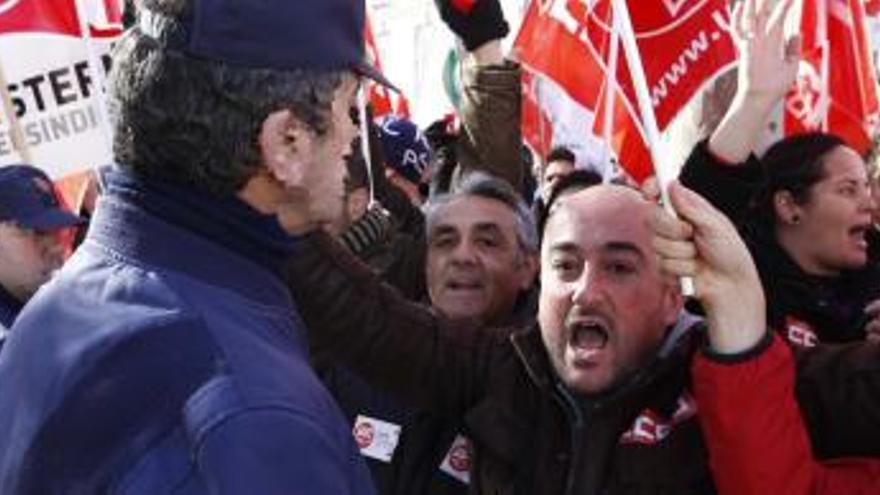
<point>31,218</point>
<point>171,357</point>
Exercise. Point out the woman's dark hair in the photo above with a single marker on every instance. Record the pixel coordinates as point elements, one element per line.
<point>794,164</point>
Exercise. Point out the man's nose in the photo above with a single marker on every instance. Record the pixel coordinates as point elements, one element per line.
<point>464,252</point>
<point>588,287</point>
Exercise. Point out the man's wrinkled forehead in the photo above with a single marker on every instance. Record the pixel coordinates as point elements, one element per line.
<point>468,211</point>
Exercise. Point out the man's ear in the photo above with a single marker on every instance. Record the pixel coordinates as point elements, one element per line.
<point>287,147</point>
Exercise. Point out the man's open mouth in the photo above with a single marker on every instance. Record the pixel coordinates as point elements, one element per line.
<point>588,335</point>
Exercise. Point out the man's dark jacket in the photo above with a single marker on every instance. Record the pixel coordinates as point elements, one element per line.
<point>532,436</point>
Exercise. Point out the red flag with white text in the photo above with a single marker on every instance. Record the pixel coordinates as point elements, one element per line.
<point>565,45</point>
<point>837,82</point>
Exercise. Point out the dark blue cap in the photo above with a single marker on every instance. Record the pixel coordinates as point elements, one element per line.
<point>278,34</point>
<point>406,148</point>
<point>28,198</point>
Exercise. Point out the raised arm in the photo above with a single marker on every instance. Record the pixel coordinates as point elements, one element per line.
<point>723,169</point>
<point>490,138</point>
<point>400,346</point>
<point>767,68</point>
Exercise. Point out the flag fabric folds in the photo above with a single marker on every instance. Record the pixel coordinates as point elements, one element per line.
<point>383,100</point>
<point>836,87</point>
<point>564,46</point>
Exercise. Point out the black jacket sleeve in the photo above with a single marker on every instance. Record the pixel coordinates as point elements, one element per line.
<point>401,347</point>
<point>729,187</point>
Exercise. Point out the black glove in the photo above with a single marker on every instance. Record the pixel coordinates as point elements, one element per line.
<point>474,24</point>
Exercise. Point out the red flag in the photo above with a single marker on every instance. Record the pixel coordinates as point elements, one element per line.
<point>382,100</point>
<point>537,129</point>
<point>844,97</point>
<point>60,17</point>
<point>683,43</point>
<point>557,110</point>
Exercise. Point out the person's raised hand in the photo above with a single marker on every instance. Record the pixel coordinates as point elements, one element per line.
<point>768,62</point>
<point>475,22</point>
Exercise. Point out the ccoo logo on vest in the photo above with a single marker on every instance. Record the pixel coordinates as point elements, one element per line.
<point>52,85</point>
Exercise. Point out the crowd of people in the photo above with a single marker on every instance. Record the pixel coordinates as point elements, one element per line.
<point>258,306</point>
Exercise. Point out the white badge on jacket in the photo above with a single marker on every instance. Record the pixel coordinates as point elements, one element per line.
<point>459,459</point>
<point>375,438</point>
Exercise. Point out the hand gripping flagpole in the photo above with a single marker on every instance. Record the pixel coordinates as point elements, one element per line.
<point>665,174</point>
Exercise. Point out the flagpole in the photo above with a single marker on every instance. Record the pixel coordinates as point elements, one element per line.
<point>663,170</point>
<point>542,137</point>
<point>15,130</point>
<point>822,35</point>
<point>98,75</point>
<point>610,88</point>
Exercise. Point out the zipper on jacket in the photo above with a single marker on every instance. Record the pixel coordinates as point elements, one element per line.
<point>576,419</point>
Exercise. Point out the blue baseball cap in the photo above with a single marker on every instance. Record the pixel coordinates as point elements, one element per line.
<point>279,34</point>
<point>28,198</point>
<point>406,147</point>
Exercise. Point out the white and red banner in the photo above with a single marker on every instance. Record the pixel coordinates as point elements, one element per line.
<point>564,45</point>
<point>836,87</point>
<point>50,81</point>
<point>383,100</point>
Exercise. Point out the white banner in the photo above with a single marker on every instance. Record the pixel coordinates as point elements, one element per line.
<point>51,84</point>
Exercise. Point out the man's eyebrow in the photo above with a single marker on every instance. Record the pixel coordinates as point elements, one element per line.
<point>442,229</point>
<point>613,247</point>
<point>623,247</point>
<point>565,247</point>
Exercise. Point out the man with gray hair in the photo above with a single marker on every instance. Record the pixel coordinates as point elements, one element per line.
<point>482,250</point>
<point>481,265</point>
<point>171,356</point>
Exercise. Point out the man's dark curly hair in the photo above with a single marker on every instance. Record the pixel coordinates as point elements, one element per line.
<point>196,122</point>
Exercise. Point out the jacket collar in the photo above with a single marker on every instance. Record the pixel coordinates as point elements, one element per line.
<point>677,350</point>
<point>531,352</point>
<point>130,232</point>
